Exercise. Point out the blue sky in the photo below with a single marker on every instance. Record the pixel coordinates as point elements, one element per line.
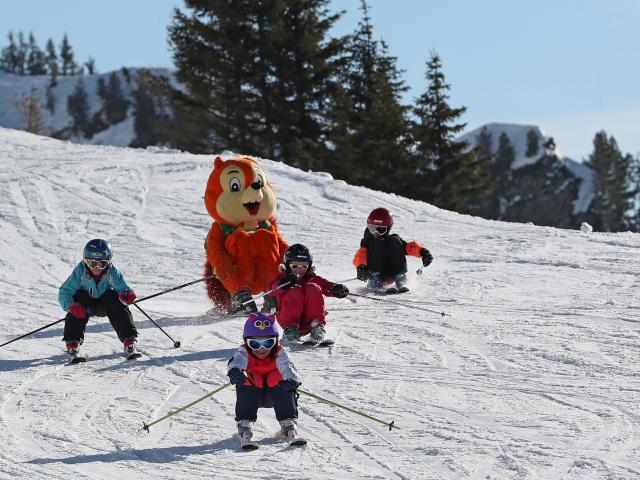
<point>572,67</point>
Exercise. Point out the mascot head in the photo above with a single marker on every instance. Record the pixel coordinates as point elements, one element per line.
<point>238,193</point>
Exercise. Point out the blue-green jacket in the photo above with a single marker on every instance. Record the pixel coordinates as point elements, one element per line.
<point>81,279</point>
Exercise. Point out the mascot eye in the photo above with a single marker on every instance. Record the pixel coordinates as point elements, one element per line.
<point>234,184</point>
<point>260,180</point>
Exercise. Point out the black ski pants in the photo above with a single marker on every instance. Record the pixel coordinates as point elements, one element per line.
<point>108,305</point>
<point>249,398</point>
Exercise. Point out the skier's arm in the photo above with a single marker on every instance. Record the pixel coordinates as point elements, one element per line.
<point>286,367</point>
<point>69,288</point>
<point>119,283</point>
<point>239,360</point>
<point>413,248</point>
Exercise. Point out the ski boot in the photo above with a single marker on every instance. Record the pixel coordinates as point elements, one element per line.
<point>289,431</point>
<point>243,301</point>
<point>245,434</point>
<point>401,283</point>
<point>317,332</point>
<point>290,336</point>
<point>73,348</point>
<point>130,349</point>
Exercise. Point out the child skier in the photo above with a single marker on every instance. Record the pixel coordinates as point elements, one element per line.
<point>381,258</point>
<point>265,377</point>
<point>97,288</point>
<point>298,296</point>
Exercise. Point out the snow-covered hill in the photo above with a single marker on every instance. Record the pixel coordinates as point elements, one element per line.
<point>535,375</point>
<point>14,86</point>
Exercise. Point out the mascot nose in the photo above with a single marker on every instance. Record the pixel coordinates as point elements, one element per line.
<point>257,185</point>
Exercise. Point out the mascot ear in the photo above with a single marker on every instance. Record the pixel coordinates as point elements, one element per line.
<point>217,163</point>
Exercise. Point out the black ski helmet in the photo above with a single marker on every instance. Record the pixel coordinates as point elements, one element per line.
<point>299,252</point>
<point>98,249</point>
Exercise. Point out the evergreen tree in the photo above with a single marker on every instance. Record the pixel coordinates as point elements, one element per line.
<point>484,142</point>
<point>257,76</point>
<point>114,102</point>
<point>78,108</point>
<point>449,172</point>
<point>614,192</point>
<point>68,64</point>
<point>35,58</point>
<point>146,115</point>
<point>533,143</point>
<point>51,60</point>
<point>505,155</point>
<point>21,55</point>
<point>9,62</point>
<point>370,130</point>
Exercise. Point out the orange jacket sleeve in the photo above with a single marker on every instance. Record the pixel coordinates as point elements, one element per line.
<point>217,255</point>
<point>413,249</point>
<point>360,258</point>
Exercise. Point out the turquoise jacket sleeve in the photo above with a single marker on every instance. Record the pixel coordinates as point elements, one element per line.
<point>70,286</point>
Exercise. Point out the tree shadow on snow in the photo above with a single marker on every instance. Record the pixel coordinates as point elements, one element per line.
<point>150,455</point>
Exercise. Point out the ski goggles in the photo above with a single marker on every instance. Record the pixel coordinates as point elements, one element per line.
<point>101,264</point>
<point>266,343</point>
<point>379,229</point>
<point>298,266</point>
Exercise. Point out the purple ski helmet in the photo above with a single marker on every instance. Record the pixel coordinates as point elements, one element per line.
<point>260,325</point>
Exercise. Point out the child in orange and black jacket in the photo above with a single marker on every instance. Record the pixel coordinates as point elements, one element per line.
<point>381,259</point>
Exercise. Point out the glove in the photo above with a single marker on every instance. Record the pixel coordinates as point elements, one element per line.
<point>78,310</point>
<point>426,257</point>
<point>339,290</point>
<point>290,279</point>
<point>290,385</point>
<point>236,376</point>
<point>363,273</point>
<point>127,297</point>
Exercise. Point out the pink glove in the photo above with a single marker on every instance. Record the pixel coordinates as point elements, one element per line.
<point>127,297</point>
<point>78,310</point>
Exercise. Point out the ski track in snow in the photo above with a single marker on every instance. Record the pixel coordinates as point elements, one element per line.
<point>532,374</point>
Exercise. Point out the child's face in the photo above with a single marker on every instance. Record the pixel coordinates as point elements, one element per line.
<point>261,346</point>
<point>298,267</point>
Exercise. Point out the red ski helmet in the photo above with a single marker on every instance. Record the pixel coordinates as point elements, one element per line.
<point>381,217</point>
<point>379,222</point>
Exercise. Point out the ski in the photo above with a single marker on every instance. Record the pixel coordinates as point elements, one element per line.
<point>327,342</point>
<point>246,444</point>
<point>133,356</point>
<point>298,442</point>
<point>76,359</point>
<point>391,291</point>
<point>403,289</point>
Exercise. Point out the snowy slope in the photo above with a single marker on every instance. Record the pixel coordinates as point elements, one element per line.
<point>534,376</point>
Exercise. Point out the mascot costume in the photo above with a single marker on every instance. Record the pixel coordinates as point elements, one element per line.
<point>244,247</point>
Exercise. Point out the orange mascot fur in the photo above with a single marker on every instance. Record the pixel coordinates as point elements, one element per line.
<point>244,247</point>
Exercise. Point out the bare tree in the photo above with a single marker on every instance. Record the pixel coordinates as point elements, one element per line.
<point>30,108</point>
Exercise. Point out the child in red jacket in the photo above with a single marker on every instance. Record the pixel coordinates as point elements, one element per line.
<point>264,376</point>
<point>299,296</point>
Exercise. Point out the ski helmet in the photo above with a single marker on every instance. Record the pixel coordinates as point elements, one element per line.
<point>380,217</point>
<point>299,252</point>
<point>260,325</point>
<point>98,249</point>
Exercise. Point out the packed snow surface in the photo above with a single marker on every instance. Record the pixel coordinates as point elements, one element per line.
<point>532,374</point>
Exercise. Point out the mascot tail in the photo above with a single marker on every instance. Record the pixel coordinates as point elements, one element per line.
<point>219,295</point>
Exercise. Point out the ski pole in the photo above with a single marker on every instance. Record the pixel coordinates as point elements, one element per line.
<point>30,333</point>
<point>257,297</point>
<point>347,280</point>
<point>176,344</point>
<point>172,289</point>
<point>145,426</point>
<point>386,300</point>
<point>317,397</point>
